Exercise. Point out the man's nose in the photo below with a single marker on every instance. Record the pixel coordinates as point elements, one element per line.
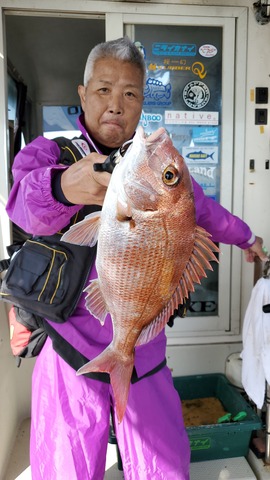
<point>116,104</point>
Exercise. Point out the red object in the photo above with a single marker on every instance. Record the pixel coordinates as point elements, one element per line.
<point>19,334</point>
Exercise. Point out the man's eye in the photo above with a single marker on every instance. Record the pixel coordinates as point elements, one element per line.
<point>130,94</point>
<point>103,90</point>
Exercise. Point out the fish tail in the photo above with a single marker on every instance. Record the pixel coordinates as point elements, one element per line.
<point>120,380</point>
<point>120,372</point>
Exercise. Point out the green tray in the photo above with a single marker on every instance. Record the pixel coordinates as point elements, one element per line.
<point>225,440</point>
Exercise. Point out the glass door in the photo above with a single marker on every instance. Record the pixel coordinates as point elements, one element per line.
<point>190,92</point>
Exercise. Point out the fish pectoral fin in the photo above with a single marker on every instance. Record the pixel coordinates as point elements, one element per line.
<point>120,371</point>
<point>84,232</point>
<point>95,302</point>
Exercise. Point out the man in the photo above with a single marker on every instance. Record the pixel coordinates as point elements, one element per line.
<point>70,414</point>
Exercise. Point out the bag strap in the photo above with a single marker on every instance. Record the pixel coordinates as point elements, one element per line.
<point>11,249</point>
<point>4,264</point>
<point>72,150</point>
<point>76,360</point>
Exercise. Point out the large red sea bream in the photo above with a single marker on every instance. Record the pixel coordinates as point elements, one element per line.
<point>150,252</point>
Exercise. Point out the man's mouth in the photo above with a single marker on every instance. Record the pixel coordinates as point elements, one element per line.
<point>113,123</point>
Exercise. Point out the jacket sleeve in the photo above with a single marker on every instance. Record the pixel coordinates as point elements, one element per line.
<point>219,222</point>
<point>31,204</point>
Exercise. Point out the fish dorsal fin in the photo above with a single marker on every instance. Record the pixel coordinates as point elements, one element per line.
<point>199,260</point>
<point>84,232</point>
<point>95,302</point>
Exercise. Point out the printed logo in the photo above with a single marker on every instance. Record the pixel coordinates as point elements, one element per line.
<point>82,146</point>
<point>206,176</point>
<point>174,49</point>
<point>178,64</point>
<point>208,51</point>
<point>182,117</point>
<point>207,172</point>
<point>196,95</point>
<point>203,443</point>
<point>147,118</point>
<point>204,135</point>
<point>199,155</point>
<point>203,155</point>
<point>198,69</point>
<point>155,93</point>
<point>181,136</point>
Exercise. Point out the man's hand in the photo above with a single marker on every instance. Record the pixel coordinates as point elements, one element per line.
<point>256,250</point>
<point>82,185</point>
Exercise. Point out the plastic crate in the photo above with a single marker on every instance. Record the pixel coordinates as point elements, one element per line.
<point>224,440</point>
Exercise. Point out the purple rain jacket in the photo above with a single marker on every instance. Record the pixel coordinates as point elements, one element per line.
<point>32,206</point>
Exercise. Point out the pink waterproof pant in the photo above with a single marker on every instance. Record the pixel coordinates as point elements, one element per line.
<point>70,426</point>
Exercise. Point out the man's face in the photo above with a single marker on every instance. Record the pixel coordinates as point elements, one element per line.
<point>112,101</point>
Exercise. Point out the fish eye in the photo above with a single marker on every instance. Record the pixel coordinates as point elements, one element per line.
<point>171,176</point>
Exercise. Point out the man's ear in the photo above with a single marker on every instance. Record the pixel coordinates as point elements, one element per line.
<point>81,92</point>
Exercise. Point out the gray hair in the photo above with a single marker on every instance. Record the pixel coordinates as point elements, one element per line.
<point>120,49</point>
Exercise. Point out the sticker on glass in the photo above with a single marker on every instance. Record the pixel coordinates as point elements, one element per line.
<point>200,155</point>
<point>208,51</point>
<point>188,117</point>
<point>141,48</point>
<point>204,135</point>
<point>196,95</point>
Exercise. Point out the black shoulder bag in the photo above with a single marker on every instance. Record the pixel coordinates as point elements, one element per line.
<point>44,277</point>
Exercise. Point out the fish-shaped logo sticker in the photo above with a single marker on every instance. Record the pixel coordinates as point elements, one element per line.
<point>200,155</point>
